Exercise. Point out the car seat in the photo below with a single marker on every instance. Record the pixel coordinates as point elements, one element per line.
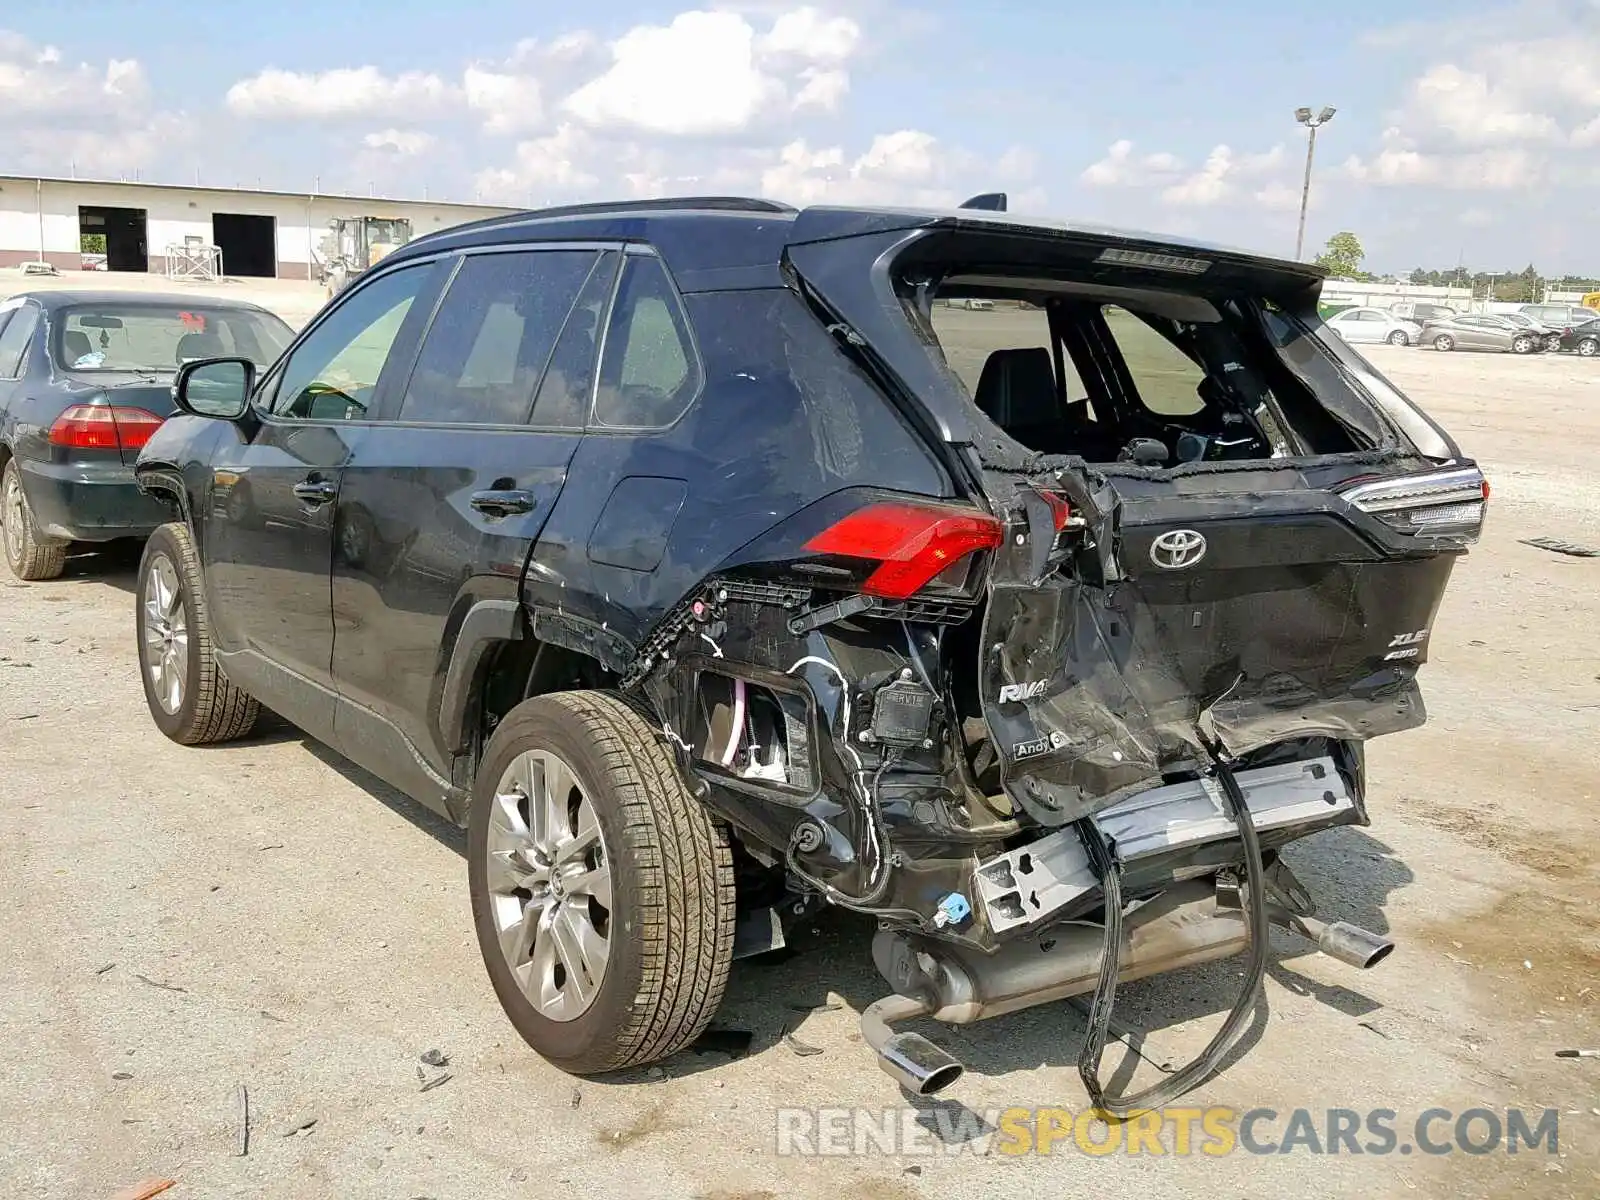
<point>75,344</point>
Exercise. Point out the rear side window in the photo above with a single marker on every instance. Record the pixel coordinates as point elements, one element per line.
<point>1167,379</point>
<point>649,372</point>
<point>14,340</point>
<point>493,335</point>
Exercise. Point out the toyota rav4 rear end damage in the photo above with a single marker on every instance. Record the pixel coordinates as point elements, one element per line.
<point>1053,730</point>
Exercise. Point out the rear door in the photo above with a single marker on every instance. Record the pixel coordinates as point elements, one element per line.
<point>268,529</point>
<point>443,497</point>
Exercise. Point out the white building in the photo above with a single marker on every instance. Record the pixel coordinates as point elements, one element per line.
<point>258,233</point>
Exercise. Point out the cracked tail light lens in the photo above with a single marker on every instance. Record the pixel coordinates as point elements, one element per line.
<point>103,427</point>
<point>1448,504</point>
<point>913,544</point>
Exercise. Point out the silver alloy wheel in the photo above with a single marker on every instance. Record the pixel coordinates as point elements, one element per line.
<point>1398,338</point>
<point>12,515</point>
<point>1522,345</point>
<point>166,633</point>
<point>549,885</point>
<point>1588,348</point>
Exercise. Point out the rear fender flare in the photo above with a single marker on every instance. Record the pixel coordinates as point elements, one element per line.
<point>168,482</point>
<point>487,626</point>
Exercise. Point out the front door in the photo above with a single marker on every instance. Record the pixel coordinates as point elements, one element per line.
<point>445,495</point>
<point>268,530</point>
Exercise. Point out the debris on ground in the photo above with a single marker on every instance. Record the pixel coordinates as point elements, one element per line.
<point>296,1126</point>
<point>435,1058</point>
<point>242,1106</point>
<point>165,987</point>
<point>145,1189</point>
<point>274,1017</point>
<point>436,1081</point>
<point>577,1097</point>
<point>735,1043</point>
<point>827,1006</point>
<point>799,1047</point>
<point>122,1074</point>
<point>1562,546</point>
<point>1578,1053</point>
<point>104,969</point>
<point>271,846</point>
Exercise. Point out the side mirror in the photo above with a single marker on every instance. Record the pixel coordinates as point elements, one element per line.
<point>215,387</point>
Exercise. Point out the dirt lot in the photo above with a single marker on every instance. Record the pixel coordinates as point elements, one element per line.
<point>186,921</point>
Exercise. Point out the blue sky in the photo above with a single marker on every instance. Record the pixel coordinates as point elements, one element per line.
<point>1465,131</point>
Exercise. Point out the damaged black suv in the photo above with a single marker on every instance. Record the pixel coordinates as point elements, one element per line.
<point>1026,586</point>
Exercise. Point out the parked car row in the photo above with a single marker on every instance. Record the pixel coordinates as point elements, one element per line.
<point>1536,328</point>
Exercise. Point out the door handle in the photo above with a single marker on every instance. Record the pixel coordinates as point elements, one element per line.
<point>315,491</point>
<point>503,503</point>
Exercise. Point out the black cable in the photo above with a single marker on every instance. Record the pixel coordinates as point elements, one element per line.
<point>881,867</point>
<point>1255,900</point>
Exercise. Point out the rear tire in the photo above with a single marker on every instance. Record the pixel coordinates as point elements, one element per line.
<point>1444,342</point>
<point>653,957</point>
<point>191,700</point>
<point>1589,347</point>
<point>29,553</point>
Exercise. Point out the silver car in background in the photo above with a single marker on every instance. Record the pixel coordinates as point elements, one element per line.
<point>1374,325</point>
<point>1476,331</point>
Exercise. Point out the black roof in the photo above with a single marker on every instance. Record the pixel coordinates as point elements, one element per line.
<point>52,299</point>
<point>729,241</point>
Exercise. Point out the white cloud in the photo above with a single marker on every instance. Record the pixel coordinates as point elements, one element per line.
<point>1400,163</point>
<point>822,88</point>
<point>1280,197</point>
<point>509,103</point>
<point>1475,112</point>
<point>1122,168</point>
<point>342,92</point>
<point>35,82</point>
<point>544,167</point>
<point>404,143</point>
<point>807,34</point>
<point>709,74</point>
<point>1219,176</point>
<point>907,167</point>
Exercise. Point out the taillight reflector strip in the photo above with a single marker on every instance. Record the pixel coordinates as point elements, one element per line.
<point>1441,503</point>
<point>103,427</point>
<point>912,543</point>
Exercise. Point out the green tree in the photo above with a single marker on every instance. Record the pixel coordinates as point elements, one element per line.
<point>92,243</point>
<point>1342,256</point>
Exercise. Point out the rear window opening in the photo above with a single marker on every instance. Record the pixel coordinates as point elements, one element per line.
<point>1139,375</point>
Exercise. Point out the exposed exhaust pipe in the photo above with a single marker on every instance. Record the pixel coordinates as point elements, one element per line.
<point>1350,944</point>
<point>914,1062</point>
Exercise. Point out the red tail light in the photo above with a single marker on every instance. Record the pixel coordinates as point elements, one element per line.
<point>913,543</point>
<point>103,427</point>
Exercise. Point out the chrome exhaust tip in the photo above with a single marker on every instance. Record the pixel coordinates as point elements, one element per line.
<point>917,1065</point>
<point>1354,946</point>
<point>910,1059</point>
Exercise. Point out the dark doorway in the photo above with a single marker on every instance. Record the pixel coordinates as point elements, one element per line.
<point>249,243</point>
<point>124,231</point>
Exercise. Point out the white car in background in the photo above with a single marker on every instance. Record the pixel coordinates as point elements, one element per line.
<point>1374,325</point>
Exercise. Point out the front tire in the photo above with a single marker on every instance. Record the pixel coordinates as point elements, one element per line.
<point>1522,344</point>
<point>1399,338</point>
<point>1444,342</point>
<point>29,553</point>
<point>190,699</point>
<point>602,891</point>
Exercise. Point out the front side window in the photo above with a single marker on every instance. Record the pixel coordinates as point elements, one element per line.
<point>492,338</point>
<point>333,374</point>
<point>153,338</point>
<point>649,372</point>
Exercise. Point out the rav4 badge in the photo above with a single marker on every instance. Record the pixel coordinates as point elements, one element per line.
<point>1178,548</point>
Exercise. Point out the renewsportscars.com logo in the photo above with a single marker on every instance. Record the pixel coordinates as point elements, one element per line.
<point>1176,1131</point>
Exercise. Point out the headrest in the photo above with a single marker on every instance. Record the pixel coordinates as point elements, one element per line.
<point>1018,388</point>
<point>198,345</point>
<point>75,344</point>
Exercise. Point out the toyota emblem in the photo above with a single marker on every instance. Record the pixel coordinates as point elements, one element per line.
<point>1178,548</point>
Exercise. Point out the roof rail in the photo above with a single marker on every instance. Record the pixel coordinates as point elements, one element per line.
<point>669,204</point>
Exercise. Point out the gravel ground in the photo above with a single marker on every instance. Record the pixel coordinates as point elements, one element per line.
<point>265,914</point>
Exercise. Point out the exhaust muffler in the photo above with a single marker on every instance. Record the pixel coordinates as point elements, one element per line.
<point>1350,944</point>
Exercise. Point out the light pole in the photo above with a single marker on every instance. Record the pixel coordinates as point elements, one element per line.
<point>1312,124</point>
